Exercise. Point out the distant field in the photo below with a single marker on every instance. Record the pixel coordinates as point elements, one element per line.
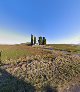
<point>66,47</point>
<point>16,51</point>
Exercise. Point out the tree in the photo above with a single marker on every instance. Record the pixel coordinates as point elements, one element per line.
<point>34,40</point>
<point>44,41</point>
<point>31,39</point>
<point>40,40</point>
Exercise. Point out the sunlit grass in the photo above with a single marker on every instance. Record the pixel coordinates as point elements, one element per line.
<point>66,47</point>
<point>44,67</point>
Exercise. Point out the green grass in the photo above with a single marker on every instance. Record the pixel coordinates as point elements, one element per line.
<point>66,47</point>
<point>17,51</point>
<point>13,52</point>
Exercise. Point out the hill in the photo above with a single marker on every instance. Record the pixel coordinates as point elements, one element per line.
<point>50,68</point>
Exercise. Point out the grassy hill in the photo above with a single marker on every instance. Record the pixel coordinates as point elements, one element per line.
<point>50,68</point>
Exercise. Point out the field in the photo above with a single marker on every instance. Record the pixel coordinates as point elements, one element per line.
<point>66,47</point>
<point>16,51</point>
<point>50,68</point>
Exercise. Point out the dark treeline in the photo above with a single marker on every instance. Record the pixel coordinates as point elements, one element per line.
<point>41,40</point>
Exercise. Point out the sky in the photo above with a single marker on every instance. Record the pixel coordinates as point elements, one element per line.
<point>57,20</point>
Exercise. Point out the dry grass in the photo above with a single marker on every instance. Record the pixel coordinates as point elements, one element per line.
<point>66,47</point>
<point>46,70</point>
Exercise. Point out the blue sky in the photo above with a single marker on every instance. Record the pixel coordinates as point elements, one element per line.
<point>57,20</point>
